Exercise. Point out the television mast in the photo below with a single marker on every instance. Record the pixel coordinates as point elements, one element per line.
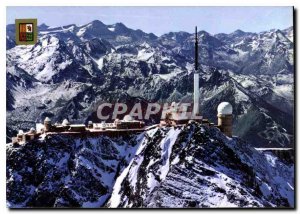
<point>196,78</point>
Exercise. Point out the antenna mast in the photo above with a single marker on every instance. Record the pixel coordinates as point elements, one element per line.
<point>196,50</point>
<point>196,78</point>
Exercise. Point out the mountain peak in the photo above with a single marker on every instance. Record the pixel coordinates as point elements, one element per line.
<point>288,29</point>
<point>120,24</point>
<point>239,32</point>
<point>97,23</point>
<point>203,32</point>
<point>43,25</point>
<point>120,27</point>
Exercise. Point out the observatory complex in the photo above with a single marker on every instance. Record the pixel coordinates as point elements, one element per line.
<point>128,125</point>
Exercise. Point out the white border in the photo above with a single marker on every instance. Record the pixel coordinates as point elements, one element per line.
<point>5,3</point>
<point>151,3</point>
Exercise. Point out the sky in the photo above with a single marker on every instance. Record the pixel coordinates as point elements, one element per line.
<point>160,20</point>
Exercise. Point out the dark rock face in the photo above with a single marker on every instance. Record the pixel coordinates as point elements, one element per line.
<point>81,66</point>
<point>189,166</point>
<point>62,171</point>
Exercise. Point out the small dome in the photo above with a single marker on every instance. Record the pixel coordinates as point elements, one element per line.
<point>47,119</point>
<point>225,108</point>
<point>21,132</point>
<point>65,122</point>
<point>128,118</point>
<point>90,122</point>
<point>174,107</point>
<point>102,124</point>
<point>32,130</point>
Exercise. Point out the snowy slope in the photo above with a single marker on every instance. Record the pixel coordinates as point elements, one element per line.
<point>188,166</point>
<point>195,166</point>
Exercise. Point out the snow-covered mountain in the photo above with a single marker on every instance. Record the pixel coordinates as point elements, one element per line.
<point>189,166</point>
<point>72,68</point>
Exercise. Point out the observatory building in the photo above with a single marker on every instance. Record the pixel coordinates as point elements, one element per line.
<point>225,118</point>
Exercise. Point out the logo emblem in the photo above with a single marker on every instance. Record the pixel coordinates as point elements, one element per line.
<point>26,31</point>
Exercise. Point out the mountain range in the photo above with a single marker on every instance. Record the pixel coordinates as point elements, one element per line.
<point>73,68</point>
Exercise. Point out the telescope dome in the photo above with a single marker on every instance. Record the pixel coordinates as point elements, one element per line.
<point>225,108</point>
<point>128,118</point>
<point>65,122</point>
<point>47,119</point>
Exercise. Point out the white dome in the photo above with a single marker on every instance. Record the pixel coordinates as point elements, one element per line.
<point>32,130</point>
<point>65,122</point>
<point>21,132</point>
<point>47,119</point>
<point>128,118</point>
<point>225,108</point>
